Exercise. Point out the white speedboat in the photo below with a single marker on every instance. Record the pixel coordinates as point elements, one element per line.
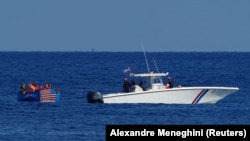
<point>157,93</point>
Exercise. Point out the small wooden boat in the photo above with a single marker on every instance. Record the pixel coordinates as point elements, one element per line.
<point>43,95</point>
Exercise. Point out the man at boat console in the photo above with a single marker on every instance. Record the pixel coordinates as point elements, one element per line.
<point>170,83</point>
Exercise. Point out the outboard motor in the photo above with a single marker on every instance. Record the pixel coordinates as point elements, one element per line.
<point>94,97</point>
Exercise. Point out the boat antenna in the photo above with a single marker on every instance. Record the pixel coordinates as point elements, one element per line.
<point>156,65</point>
<point>145,57</point>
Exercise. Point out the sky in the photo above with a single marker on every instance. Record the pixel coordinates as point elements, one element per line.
<point>125,25</point>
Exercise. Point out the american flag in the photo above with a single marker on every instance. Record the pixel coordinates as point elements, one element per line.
<point>47,96</point>
<point>127,70</point>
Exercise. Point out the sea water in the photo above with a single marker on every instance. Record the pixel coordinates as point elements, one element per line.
<point>76,73</point>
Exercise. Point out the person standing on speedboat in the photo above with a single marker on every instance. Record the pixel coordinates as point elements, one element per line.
<point>170,83</point>
<point>126,85</point>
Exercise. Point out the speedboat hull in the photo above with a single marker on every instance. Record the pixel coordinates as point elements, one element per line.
<point>183,95</point>
<point>157,92</point>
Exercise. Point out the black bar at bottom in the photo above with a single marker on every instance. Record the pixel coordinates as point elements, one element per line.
<point>178,132</point>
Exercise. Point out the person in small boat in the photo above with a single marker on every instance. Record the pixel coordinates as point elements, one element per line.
<point>170,83</point>
<point>47,86</point>
<point>33,87</point>
<point>126,85</point>
<point>23,89</point>
<point>30,88</point>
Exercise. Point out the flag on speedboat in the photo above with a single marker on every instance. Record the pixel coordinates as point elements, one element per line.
<point>47,96</point>
<point>127,70</point>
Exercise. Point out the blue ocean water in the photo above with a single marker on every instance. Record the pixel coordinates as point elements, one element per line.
<point>76,73</point>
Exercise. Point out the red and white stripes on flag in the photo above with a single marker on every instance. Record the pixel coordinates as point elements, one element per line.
<point>47,96</point>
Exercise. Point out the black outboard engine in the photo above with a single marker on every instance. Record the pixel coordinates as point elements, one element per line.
<point>94,97</point>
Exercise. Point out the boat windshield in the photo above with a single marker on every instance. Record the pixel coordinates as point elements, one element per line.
<point>154,80</point>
